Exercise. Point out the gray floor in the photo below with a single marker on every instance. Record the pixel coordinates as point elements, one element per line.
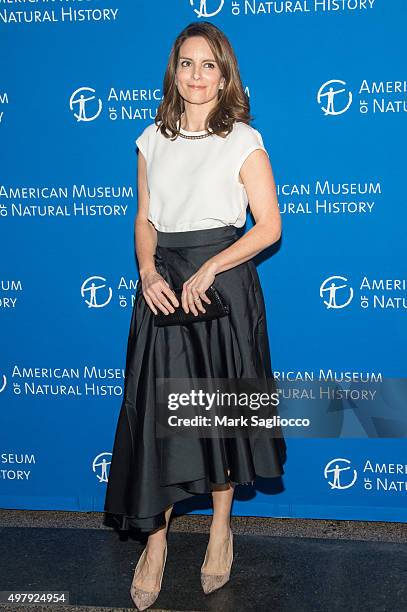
<point>280,564</point>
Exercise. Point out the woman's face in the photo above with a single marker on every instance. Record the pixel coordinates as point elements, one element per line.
<point>198,75</point>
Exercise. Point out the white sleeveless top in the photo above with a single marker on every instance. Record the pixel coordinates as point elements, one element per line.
<point>194,184</point>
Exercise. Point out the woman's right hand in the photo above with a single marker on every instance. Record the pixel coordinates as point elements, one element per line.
<point>156,290</point>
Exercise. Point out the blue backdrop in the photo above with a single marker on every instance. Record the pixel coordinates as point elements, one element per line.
<point>79,82</point>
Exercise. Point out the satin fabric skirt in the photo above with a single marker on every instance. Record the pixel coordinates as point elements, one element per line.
<point>146,475</point>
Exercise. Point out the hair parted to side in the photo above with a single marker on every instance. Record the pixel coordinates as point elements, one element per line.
<point>233,103</point>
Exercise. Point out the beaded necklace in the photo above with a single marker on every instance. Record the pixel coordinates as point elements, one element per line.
<point>195,137</point>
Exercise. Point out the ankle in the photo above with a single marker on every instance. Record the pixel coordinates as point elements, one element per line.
<point>156,542</point>
<point>220,529</point>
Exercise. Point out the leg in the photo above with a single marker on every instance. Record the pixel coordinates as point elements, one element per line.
<point>217,551</point>
<point>148,577</point>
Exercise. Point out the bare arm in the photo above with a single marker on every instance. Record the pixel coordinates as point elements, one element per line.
<point>155,288</point>
<point>258,179</point>
<point>145,233</point>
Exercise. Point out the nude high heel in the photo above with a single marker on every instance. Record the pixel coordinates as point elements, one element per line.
<point>212,582</point>
<point>144,599</point>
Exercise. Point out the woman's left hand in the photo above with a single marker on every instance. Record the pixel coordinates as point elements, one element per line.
<point>193,292</point>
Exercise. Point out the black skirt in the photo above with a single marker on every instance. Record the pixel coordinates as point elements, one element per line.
<point>145,475</point>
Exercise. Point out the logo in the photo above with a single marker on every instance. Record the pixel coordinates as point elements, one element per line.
<point>202,11</point>
<point>81,100</point>
<point>332,289</point>
<point>331,96</point>
<point>340,468</point>
<point>100,463</point>
<point>3,383</point>
<point>90,288</point>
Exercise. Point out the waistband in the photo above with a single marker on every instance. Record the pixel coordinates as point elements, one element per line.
<point>196,237</point>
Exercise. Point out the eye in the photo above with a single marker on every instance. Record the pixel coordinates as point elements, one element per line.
<point>187,63</point>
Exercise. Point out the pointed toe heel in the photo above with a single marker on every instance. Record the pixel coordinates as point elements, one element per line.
<point>141,598</point>
<point>212,582</point>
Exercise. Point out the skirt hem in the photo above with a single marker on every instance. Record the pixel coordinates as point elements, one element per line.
<point>125,522</point>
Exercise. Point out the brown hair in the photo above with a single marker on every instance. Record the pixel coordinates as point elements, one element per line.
<point>233,103</point>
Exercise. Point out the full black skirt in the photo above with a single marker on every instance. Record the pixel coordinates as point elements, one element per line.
<point>146,475</point>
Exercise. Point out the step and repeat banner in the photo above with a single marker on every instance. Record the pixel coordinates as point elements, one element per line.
<point>327,84</point>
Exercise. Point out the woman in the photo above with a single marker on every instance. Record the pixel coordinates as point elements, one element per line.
<point>199,164</point>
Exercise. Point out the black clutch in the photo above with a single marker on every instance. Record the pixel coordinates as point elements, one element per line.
<point>217,308</point>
